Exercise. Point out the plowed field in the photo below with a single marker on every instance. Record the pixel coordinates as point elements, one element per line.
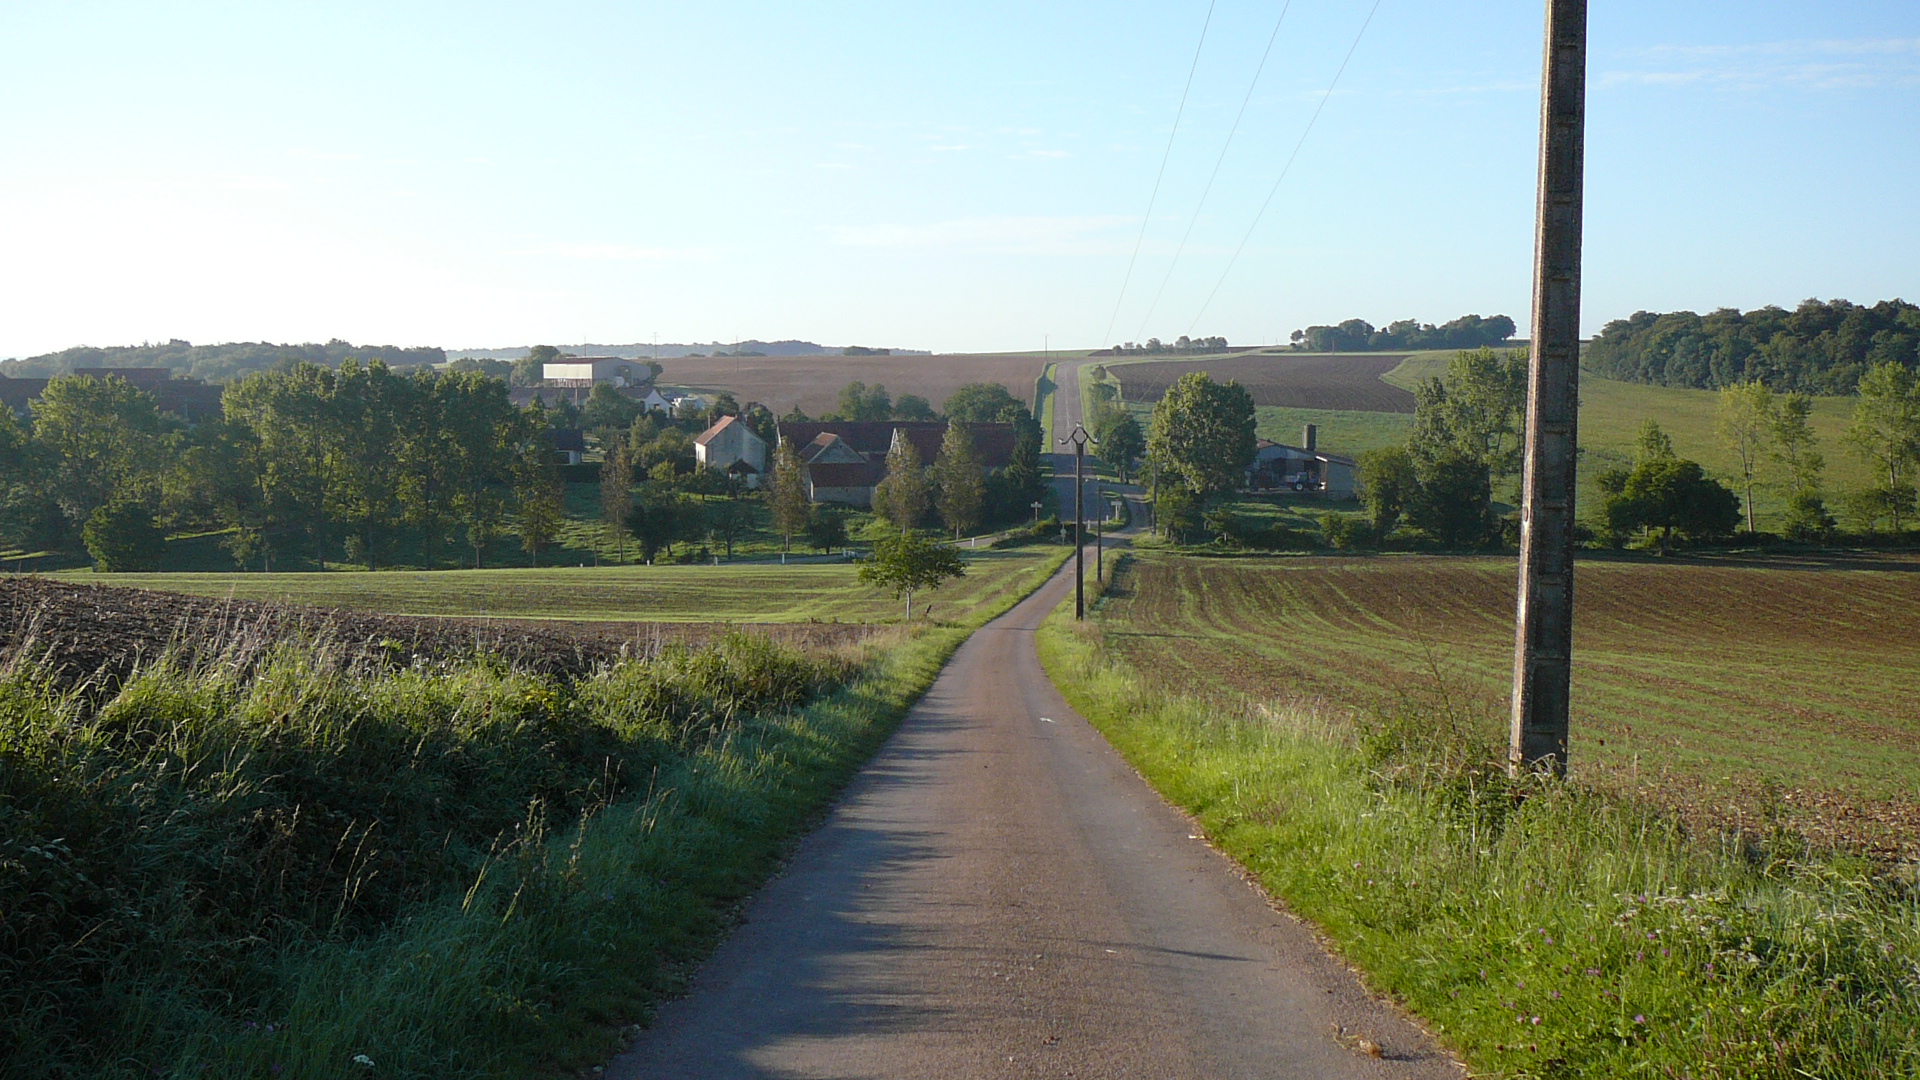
<point>1300,381</point>
<point>814,382</point>
<point>1695,682</point>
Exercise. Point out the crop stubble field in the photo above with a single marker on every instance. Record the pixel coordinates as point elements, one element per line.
<point>813,382</point>
<point>1337,381</point>
<point>1698,684</point>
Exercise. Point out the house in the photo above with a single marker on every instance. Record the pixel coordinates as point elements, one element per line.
<point>582,372</point>
<point>673,403</point>
<point>844,460</point>
<point>569,445</point>
<point>732,445</point>
<point>18,395</point>
<point>1301,468</point>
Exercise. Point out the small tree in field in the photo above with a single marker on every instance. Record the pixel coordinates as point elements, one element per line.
<point>962,482</point>
<point>1746,426</point>
<point>902,497</point>
<point>907,561</point>
<point>616,496</point>
<point>787,496</point>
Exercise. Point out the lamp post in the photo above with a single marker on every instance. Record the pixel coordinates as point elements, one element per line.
<point>1079,438</point>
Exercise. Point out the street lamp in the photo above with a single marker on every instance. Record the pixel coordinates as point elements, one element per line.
<point>1079,438</point>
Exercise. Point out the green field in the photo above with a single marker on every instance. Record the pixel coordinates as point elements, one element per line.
<point>737,593</point>
<point>1697,682</point>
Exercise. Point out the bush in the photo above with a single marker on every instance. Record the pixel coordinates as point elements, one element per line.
<point>122,538</point>
<point>1343,532</point>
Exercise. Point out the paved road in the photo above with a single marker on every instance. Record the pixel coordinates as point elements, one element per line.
<point>1066,410</point>
<point>999,895</point>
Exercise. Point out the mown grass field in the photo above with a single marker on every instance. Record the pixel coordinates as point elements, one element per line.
<point>1697,682</point>
<point>746,594</point>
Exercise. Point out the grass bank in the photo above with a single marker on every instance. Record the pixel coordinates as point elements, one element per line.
<point>1549,931</point>
<point>279,867</point>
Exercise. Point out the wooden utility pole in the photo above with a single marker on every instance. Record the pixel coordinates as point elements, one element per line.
<point>1543,648</point>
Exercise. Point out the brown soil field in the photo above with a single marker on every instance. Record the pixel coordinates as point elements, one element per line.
<point>814,382</point>
<point>1712,686</point>
<point>102,633</point>
<point>1299,381</point>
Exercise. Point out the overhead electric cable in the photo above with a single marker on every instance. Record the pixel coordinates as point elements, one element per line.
<point>1271,192</point>
<point>1157,177</point>
<point>1224,147</point>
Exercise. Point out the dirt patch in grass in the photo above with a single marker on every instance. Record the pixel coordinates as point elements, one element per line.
<point>1300,381</point>
<point>1740,692</point>
<point>96,630</point>
<point>814,382</point>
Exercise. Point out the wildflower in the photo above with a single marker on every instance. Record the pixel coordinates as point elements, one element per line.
<point>1592,973</point>
<point>1536,1021</point>
<point>363,1061</point>
<point>1664,952</point>
<point>1555,995</point>
<point>1639,1018</point>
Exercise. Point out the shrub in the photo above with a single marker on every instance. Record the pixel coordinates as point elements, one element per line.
<point>122,537</point>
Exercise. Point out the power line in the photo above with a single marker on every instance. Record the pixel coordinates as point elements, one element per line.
<point>1217,162</point>
<point>1151,199</point>
<point>1271,192</point>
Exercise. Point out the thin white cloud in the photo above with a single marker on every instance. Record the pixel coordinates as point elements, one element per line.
<point>1062,235</point>
<point>619,252</point>
<point>1848,64</point>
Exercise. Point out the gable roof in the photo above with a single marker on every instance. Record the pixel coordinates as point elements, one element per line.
<point>713,432</point>
<point>994,442</point>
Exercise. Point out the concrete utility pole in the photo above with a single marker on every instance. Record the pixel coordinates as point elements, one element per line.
<point>1079,438</point>
<point>1543,647</point>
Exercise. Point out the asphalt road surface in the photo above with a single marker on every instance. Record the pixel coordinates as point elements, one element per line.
<point>999,895</point>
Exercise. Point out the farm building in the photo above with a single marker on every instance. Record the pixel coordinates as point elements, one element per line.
<point>584,371</point>
<point>731,445</point>
<point>569,445</point>
<point>190,399</point>
<point>1301,468</point>
<point>845,460</point>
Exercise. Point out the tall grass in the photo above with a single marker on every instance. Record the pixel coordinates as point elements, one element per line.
<point>1543,930</point>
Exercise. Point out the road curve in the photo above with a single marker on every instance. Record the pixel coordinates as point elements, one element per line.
<point>999,895</point>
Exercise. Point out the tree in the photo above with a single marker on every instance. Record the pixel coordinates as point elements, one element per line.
<point>539,496</point>
<point>616,496</point>
<point>861,402</point>
<point>1795,454</point>
<point>1387,486</point>
<point>906,561</point>
<point>1203,434</point>
<point>728,517</point>
<point>103,437</point>
<point>1746,425</point>
<point>1121,441</point>
<point>1652,444</point>
<point>827,531</point>
<point>657,519</point>
<point>787,495</point>
<point>1476,411</point>
<point>982,403</point>
<point>122,537</point>
<point>960,481</point>
<point>1668,495</point>
<point>912,407</point>
<point>607,408</point>
<point>1885,432</point>
<point>1453,503</point>
<point>902,496</point>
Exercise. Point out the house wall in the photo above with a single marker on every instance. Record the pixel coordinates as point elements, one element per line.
<point>861,497</point>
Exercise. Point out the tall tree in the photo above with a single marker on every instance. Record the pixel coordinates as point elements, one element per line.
<point>960,482</point>
<point>616,496</point>
<point>1477,410</point>
<point>539,496</point>
<point>902,496</point>
<point>1203,434</point>
<point>787,495</point>
<point>1387,485</point>
<point>1885,432</point>
<point>104,438</point>
<point>1121,441</point>
<point>1746,425</point>
<point>858,401</point>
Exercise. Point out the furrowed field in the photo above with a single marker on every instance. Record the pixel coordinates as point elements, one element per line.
<point>1701,683</point>
<point>813,382</point>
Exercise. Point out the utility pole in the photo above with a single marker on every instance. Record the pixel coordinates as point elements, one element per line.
<point>1079,438</point>
<point>1543,645</point>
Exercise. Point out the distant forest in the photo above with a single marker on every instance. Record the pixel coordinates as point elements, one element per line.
<point>216,363</point>
<point>1817,348</point>
<point>1359,335</point>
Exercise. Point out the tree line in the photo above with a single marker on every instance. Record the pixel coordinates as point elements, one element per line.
<point>1817,348</point>
<point>1359,335</point>
<point>222,363</point>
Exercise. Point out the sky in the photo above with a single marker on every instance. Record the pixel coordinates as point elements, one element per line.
<point>954,177</point>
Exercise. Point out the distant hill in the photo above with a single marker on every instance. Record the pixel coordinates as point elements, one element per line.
<point>669,350</point>
<point>214,363</point>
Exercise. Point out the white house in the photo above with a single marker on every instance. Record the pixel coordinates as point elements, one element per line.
<point>673,404</point>
<point>730,445</point>
<point>584,371</point>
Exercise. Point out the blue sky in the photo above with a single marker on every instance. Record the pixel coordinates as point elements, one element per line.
<point>937,176</point>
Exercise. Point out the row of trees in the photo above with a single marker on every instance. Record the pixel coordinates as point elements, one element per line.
<point>1359,335</point>
<point>309,461</point>
<point>1182,344</point>
<point>217,363</point>
<point>1819,347</point>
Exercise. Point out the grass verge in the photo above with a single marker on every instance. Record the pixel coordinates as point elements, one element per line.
<point>1541,931</point>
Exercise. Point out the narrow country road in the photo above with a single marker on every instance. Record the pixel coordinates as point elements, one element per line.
<point>999,895</point>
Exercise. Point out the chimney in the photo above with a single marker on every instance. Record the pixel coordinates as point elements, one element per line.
<point>1309,437</point>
